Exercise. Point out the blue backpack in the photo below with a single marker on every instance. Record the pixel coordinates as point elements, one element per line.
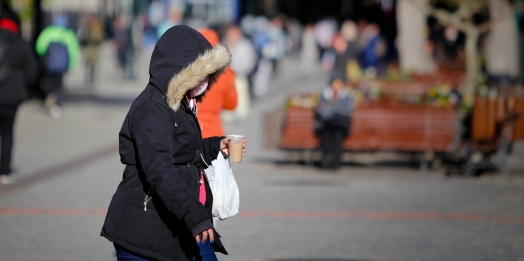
<point>56,58</point>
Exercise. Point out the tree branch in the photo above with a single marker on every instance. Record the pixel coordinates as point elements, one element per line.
<point>447,18</point>
<point>484,27</point>
<point>444,17</point>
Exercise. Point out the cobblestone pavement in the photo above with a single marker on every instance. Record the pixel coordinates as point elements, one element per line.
<point>68,169</point>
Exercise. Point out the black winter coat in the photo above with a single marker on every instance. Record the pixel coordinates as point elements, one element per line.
<point>162,148</point>
<point>21,66</point>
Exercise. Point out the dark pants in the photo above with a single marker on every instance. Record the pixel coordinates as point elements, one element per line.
<point>331,146</point>
<point>90,73</point>
<point>54,84</point>
<point>7,123</point>
<point>124,255</point>
<point>207,252</point>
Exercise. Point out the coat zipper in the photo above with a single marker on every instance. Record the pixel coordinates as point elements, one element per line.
<point>148,198</point>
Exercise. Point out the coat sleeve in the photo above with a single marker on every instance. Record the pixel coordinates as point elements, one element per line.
<point>230,100</point>
<point>42,42</point>
<point>152,129</point>
<point>211,148</point>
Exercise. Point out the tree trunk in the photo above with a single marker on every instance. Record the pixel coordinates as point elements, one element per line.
<point>502,44</point>
<point>472,61</point>
<point>411,21</point>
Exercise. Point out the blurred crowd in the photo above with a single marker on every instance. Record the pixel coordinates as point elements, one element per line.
<point>349,48</point>
<point>343,51</point>
<point>257,43</point>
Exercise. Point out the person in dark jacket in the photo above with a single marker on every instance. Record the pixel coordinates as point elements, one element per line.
<point>162,207</point>
<point>18,70</point>
<point>332,120</point>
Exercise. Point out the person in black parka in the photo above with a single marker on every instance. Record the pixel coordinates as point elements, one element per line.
<point>156,212</point>
<point>18,69</point>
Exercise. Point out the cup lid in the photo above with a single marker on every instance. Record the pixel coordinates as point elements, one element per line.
<point>235,136</point>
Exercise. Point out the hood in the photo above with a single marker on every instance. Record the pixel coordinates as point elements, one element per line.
<point>61,20</point>
<point>182,58</point>
<point>9,25</point>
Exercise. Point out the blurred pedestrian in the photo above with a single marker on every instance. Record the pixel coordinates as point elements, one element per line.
<point>272,48</point>
<point>294,32</point>
<point>346,61</point>
<point>94,37</point>
<point>162,207</point>
<point>372,46</point>
<point>60,50</point>
<point>309,53</point>
<point>18,69</point>
<point>340,45</point>
<point>174,17</point>
<point>332,120</point>
<point>324,31</point>
<point>223,96</point>
<point>244,60</point>
<point>260,38</point>
<point>125,47</point>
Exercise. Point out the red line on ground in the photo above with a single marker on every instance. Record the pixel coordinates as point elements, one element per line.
<point>99,211</point>
<point>469,217</point>
<point>291,214</point>
<point>422,215</point>
<point>21,211</point>
<point>512,220</point>
<point>252,214</point>
<point>378,215</point>
<point>332,214</point>
<point>67,211</point>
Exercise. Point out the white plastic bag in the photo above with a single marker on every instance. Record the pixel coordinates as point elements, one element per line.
<point>224,188</point>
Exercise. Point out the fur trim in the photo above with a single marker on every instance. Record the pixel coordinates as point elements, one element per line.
<point>212,63</point>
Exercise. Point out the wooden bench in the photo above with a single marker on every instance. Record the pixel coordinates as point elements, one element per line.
<point>378,128</point>
<point>495,124</point>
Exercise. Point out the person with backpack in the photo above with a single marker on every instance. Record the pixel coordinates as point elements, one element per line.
<point>59,50</point>
<point>18,69</point>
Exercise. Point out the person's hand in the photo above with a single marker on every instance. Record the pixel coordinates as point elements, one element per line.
<point>224,146</point>
<point>202,237</point>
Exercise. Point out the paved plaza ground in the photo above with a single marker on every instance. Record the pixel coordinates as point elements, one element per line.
<point>68,169</point>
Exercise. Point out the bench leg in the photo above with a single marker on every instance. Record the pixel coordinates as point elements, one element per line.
<point>500,160</point>
<point>425,159</point>
<point>308,158</point>
<point>424,163</point>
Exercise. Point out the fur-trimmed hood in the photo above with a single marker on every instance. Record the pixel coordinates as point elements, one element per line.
<point>182,58</point>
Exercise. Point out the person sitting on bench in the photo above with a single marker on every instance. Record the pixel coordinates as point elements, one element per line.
<point>332,120</point>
